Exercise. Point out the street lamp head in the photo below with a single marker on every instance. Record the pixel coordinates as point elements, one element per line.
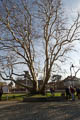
<point>72,65</point>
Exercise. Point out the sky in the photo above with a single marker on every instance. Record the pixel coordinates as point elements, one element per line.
<point>71,7</point>
<point>72,4</point>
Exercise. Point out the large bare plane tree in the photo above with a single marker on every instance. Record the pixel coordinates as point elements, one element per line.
<point>35,34</point>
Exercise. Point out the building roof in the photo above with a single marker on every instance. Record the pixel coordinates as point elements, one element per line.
<point>71,78</point>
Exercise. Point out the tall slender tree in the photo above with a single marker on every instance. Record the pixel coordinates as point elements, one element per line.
<point>35,34</point>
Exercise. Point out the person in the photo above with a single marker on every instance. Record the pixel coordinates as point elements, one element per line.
<point>1,92</point>
<point>72,93</point>
<point>52,91</point>
<point>78,92</point>
<point>67,93</point>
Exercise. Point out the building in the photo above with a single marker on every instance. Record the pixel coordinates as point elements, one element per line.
<point>72,81</point>
<point>27,83</point>
<point>58,85</point>
<point>5,87</point>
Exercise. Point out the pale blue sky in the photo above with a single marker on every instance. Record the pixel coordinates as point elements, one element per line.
<point>71,7</point>
<point>71,3</point>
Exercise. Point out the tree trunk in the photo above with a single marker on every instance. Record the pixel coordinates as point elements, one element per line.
<point>34,89</point>
<point>42,90</point>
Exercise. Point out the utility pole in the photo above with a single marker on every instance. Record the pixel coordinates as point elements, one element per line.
<point>72,67</point>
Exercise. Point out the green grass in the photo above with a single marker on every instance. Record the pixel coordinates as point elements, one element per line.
<point>46,95</point>
<point>57,94</point>
<point>20,96</point>
<point>11,96</point>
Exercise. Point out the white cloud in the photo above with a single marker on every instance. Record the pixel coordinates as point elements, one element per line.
<point>71,7</point>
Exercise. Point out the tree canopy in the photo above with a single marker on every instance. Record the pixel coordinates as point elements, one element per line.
<point>34,34</point>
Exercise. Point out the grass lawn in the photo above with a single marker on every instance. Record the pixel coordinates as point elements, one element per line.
<point>20,96</point>
<point>47,95</point>
<point>10,96</point>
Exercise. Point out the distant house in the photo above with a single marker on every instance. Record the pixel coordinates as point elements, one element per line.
<point>4,87</point>
<point>68,81</point>
<point>18,87</point>
<point>50,84</point>
<point>26,82</point>
<point>72,80</point>
<point>56,85</point>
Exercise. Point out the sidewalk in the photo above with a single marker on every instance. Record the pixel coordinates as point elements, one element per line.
<point>4,104</point>
<point>13,110</point>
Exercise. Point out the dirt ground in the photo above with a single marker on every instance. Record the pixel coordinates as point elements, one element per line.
<point>40,111</point>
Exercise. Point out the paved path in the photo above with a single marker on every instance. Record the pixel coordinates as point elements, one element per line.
<point>40,111</point>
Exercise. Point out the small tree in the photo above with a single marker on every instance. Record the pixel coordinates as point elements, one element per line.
<point>24,27</point>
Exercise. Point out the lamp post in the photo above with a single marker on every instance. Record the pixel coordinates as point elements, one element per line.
<point>72,66</point>
<point>72,76</point>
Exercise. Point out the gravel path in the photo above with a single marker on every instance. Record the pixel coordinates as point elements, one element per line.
<point>40,111</point>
